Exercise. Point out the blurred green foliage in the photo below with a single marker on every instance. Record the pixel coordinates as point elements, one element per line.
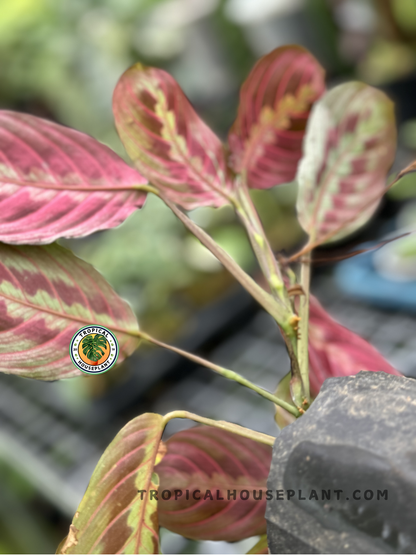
<point>26,525</point>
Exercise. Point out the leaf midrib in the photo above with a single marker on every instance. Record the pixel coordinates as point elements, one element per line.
<point>67,316</point>
<point>78,188</point>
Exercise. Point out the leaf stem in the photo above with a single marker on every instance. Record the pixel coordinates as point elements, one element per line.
<point>229,374</point>
<point>303,354</point>
<point>222,424</point>
<point>257,292</point>
<point>277,305</point>
<point>147,188</point>
<point>248,215</point>
<point>288,320</point>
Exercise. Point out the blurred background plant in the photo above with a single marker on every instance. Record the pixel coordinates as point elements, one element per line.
<point>61,59</point>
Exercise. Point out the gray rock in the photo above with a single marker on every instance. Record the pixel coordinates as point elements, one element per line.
<point>343,476</point>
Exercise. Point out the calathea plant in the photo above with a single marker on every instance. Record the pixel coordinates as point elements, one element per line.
<point>57,182</point>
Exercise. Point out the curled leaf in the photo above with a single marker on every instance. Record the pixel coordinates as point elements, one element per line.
<point>46,295</point>
<point>118,514</point>
<point>167,140</point>
<point>336,351</point>
<point>57,182</point>
<point>349,146</point>
<point>266,138</point>
<point>210,463</point>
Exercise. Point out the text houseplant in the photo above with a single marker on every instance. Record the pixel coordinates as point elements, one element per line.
<point>57,182</point>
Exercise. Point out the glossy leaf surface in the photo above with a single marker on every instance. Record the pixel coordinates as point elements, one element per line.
<point>112,516</point>
<point>46,295</point>
<point>336,351</point>
<point>56,182</point>
<point>210,459</point>
<point>167,140</point>
<point>349,147</point>
<point>275,100</point>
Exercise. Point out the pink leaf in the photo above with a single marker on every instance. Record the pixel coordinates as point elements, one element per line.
<point>167,141</point>
<point>57,182</point>
<point>46,295</point>
<point>214,460</point>
<point>275,100</point>
<point>336,351</point>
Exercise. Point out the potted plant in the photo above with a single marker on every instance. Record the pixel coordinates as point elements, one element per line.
<point>208,482</point>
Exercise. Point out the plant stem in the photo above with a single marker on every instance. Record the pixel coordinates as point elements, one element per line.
<point>280,310</point>
<point>229,374</point>
<point>303,354</point>
<point>257,292</point>
<point>147,188</point>
<point>223,425</point>
<point>288,322</point>
<point>248,215</point>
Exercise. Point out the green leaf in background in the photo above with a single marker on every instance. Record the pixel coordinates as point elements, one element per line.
<point>350,145</point>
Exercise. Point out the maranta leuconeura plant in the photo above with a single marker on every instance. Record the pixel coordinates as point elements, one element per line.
<point>57,182</point>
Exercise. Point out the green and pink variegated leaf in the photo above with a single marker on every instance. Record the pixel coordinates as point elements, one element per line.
<point>335,351</point>
<point>113,516</point>
<point>216,460</point>
<point>349,146</point>
<point>275,100</point>
<point>167,141</point>
<point>46,295</point>
<point>57,182</point>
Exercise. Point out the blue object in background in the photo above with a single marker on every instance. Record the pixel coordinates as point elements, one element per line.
<point>358,277</point>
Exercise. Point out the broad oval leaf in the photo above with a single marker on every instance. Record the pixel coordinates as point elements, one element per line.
<point>57,182</point>
<point>275,100</point>
<point>167,141</point>
<point>336,351</point>
<point>216,460</point>
<point>46,295</point>
<point>113,516</point>
<point>349,146</point>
